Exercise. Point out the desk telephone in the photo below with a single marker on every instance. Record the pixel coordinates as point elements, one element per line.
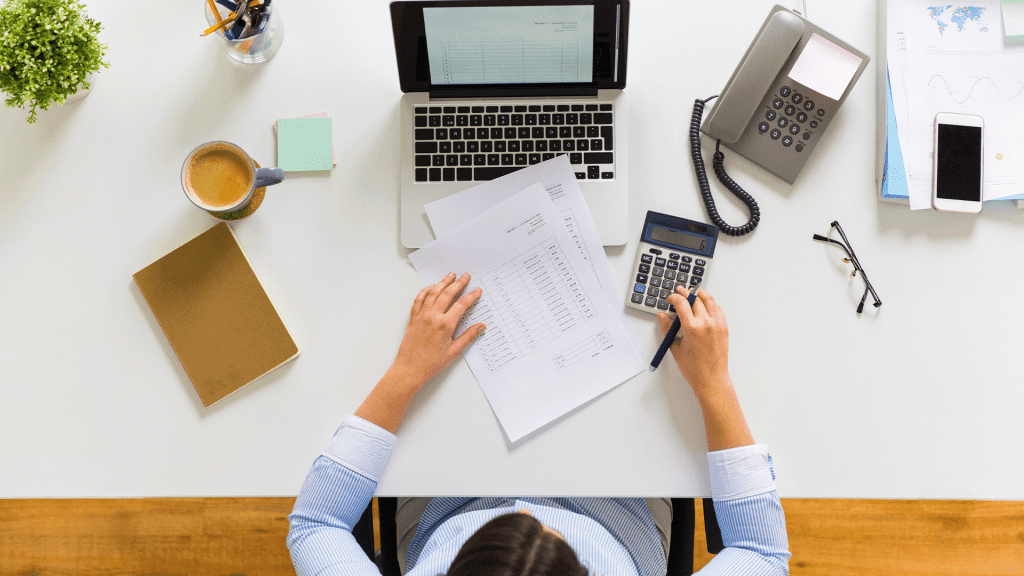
<point>776,105</point>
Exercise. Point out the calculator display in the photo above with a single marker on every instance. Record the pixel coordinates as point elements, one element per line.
<point>678,238</point>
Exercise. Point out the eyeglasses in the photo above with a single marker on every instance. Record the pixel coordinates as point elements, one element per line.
<point>852,259</point>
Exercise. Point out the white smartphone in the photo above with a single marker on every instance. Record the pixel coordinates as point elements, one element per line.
<point>958,163</point>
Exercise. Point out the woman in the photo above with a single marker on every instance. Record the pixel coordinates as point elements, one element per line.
<point>535,536</point>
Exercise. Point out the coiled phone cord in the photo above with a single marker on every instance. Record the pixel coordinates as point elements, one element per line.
<point>719,167</point>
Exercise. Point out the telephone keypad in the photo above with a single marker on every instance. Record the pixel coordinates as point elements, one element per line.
<point>778,103</point>
<point>807,135</point>
<point>814,123</point>
<point>790,110</point>
<point>799,147</point>
<point>797,98</point>
<point>785,91</point>
<point>794,129</point>
<point>775,133</point>
<point>770,115</point>
<point>809,105</point>
<point>801,117</point>
<point>763,127</point>
<point>787,141</point>
<point>821,112</point>
<point>783,122</point>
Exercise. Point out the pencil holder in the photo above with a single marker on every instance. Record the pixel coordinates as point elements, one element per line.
<point>247,43</point>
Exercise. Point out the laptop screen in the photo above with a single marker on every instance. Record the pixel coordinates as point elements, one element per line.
<point>481,44</point>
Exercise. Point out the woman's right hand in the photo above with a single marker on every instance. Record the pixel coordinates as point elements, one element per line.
<point>702,353</point>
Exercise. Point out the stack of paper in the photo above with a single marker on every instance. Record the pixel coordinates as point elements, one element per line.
<point>557,332</point>
<point>952,58</point>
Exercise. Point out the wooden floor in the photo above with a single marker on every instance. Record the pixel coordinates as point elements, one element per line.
<point>245,536</point>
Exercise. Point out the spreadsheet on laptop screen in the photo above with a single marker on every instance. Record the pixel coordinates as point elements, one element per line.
<point>510,44</point>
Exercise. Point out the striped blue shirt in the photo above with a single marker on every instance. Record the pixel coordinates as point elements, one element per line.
<point>611,536</point>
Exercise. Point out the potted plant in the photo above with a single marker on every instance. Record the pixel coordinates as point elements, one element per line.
<point>47,49</point>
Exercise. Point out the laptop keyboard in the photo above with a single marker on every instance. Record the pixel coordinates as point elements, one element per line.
<point>475,143</point>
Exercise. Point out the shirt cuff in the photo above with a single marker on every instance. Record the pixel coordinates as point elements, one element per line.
<point>361,446</point>
<point>741,472</point>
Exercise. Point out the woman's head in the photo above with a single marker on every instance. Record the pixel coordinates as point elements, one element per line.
<point>516,545</point>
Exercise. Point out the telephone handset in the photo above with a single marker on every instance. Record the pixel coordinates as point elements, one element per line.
<point>776,105</point>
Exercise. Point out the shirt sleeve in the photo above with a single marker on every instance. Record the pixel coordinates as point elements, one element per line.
<point>337,490</point>
<point>749,514</point>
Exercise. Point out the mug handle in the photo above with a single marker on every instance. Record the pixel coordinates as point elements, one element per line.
<point>268,176</point>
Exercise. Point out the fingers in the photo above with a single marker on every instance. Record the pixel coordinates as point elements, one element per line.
<point>436,289</point>
<point>450,293</point>
<point>417,303</point>
<point>709,303</point>
<point>664,321</point>
<point>466,338</point>
<point>462,304</point>
<point>678,299</point>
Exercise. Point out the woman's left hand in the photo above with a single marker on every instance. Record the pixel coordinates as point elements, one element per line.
<point>428,346</point>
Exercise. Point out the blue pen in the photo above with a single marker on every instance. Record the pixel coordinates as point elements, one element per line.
<point>672,331</point>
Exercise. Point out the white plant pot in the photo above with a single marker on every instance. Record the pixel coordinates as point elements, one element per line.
<point>82,93</point>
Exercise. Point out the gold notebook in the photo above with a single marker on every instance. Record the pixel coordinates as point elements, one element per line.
<point>216,314</point>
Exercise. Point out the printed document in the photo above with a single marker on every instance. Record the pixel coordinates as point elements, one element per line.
<point>553,341</point>
<point>558,178</point>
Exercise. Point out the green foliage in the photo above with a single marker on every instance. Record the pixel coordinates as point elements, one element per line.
<point>47,47</point>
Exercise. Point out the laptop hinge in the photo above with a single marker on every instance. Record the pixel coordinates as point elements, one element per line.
<point>517,93</point>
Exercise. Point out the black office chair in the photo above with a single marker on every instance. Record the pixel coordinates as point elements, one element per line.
<point>680,554</point>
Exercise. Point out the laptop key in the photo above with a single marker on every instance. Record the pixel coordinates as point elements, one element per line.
<point>541,145</point>
<point>421,121</point>
<point>455,134</point>
<point>435,109</point>
<point>568,145</point>
<point>451,160</point>
<point>435,174</point>
<point>444,147</point>
<point>593,172</point>
<point>551,132</point>
<point>603,118</point>
<point>448,120</point>
<point>438,159</point>
<point>579,132</point>
<point>581,175</point>
<point>558,119</point>
<point>576,158</point>
<point>491,109</point>
<point>449,109</point>
<point>546,156</point>
<point>524,133</point>
<point>449,174</point>
<point>474,147</point>
<point>462,120</point>
<point>607,175</point>
<point>598,158</point>
<point>426,147</point>
<point>487,146</point>
<point>581,145</point>
<point>510,133</point>
<point>463,110</point>
<point>506,108</point>
<point>424,133</point>
<point>465,160</point>
<point>503,120</point>
<point>423,160</point>
<point>586,118</point>
<point>441,133</point>
<point>591,107</point>
<point>496,133</point>
<point>555,145</point>
<point>597,144</point>
<point>565,132</point>
<point>593,132</point>
<point>531,119</point>
<point>513,146</point>
<point>520,108</point>
<point>492,172</point>
<point>476,120</point>
<point>606,133</point>
<point>463,174</point>
<point>480,159</point>
<point>517,120</point>
<point>435,121</point>
<point>537,132</point>
<point>527,145</point>
<point>520,159</point>
<point>549,108</point>
<point>572,118</point>
<point>563,107</point>
<point>544,119</point>
<point>421,174</point>
<point>500,146</point>
<point>534,159</point>
<point>493,160</point>
<point>421,110</point>
<point>606,107</point>
<point>507,159</point>
<point>478,109</point>
<point>490,120</point>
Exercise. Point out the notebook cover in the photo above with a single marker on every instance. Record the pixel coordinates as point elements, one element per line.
<point>216,314</point>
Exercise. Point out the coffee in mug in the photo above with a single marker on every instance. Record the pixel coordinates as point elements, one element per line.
<point>220,177</point>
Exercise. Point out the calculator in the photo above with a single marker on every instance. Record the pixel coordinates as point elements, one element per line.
<point>673,252</point>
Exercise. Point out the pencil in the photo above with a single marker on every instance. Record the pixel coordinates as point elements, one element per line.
<point>213,7</point>
<point>227,20</point>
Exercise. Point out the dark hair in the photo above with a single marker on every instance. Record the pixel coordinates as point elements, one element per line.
<point>515,545</point>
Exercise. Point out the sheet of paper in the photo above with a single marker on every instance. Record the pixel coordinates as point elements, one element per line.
<point>825,67</point>
<point>957,61</point>
<point>305,144</point>
<point>552,342</point>
<point>558,178</point>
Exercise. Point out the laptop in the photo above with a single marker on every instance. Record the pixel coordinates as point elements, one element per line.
<point>494,86</point>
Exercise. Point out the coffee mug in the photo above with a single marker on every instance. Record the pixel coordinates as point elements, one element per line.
<point>220,177</point>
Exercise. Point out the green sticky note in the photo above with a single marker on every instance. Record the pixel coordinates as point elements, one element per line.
<point>1013,19</point>
<point>304,144</point>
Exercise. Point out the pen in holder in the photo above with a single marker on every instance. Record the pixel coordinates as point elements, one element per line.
<point>251,30</point>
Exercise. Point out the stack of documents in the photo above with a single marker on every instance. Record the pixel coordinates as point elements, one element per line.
<point>950,58</point>
<point>557,331</point>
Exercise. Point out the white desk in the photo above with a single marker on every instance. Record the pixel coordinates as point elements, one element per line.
<point>919,399</point>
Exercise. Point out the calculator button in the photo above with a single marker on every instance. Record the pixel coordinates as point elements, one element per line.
<point>671,308</point>
<point>659,262</point>
<point>698,271</point>
<point>666,285</point>
<point>655,251</point>
<point>673,256</point>
<point>646,258</point>
<point>672,264</point>
<point>658,272</point>
<point>670,274</point>
<point>681,279</point>
<point>651,301</point>
<point>694,280</point>
<point>700,262</point>
<point>656,282</point>
<point>641,278</point>
<point>770,115</point>
<point>785,91</point>
<point>663,304</point>
<point>638,288</point>
<point>684,268</point>
<point>645,268</point>
<point>665,293</point>
<point>797,98</point>
<point>637,299</point>
<point>687,259</point>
